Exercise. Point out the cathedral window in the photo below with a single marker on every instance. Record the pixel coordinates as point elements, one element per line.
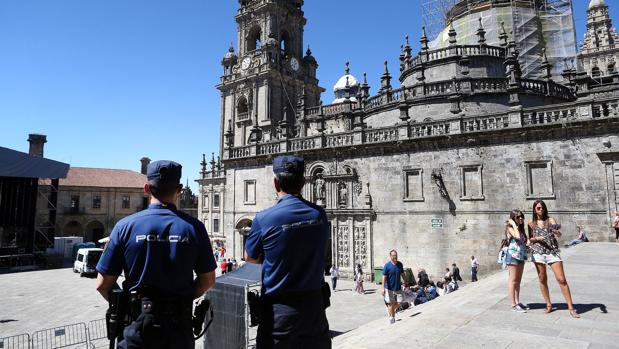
<point>284,43</point>
<point>242,109</point>
<point>215,225</point>
<point>471,183</point>
<point>413,184</point>
<point>254,39</point>
<point>539,179</point>
<point>595,72</point>
<point>249,197</point>
<point>611,68</point>
<point>216,201</point>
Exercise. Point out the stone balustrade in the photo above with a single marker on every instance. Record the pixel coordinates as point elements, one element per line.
<point>430,129</point>
<point>305,143</point>
<point>331,109</point>
<point>456,51</point>
<point>268,148</point>
<point>379,135</point>
<point>242,116</point>
<point>539,116</point>
<point>485,123</point>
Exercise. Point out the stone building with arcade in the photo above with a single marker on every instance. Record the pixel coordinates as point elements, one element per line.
<point>430,167</point>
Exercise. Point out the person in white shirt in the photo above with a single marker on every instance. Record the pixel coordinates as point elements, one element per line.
<point>334,275</point>
<point>474,266</point>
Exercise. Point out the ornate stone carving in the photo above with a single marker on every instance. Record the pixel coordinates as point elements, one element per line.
<point>358,188</point>
<point>360,245</point>
<point>343,250</point>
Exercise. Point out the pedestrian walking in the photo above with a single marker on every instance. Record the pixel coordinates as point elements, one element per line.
<point>543,233</point>
<point>223,266</point>
<point>455,272</point>
<point>229,266</point>
<point>289,240</point>
<point>616,226</point>
<point>158,250</point>
<point>392,284</point>
<point>515,258</point>
<point>359,280</point>
<point>335,273</point>
<point>474,267</point>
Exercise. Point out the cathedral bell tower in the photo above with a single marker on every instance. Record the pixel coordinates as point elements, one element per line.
<point>599,50</point>
<point>263,82</point>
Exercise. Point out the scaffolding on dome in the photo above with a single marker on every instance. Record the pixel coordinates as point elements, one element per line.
<point>535,24</point>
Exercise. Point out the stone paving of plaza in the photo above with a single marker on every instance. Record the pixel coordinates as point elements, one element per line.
<point>476,316</point>
<point>479,316</point>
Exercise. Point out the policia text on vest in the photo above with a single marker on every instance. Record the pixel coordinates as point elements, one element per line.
<point>159,250</point>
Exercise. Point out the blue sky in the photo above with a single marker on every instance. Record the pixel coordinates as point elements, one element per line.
<point>110,81</point>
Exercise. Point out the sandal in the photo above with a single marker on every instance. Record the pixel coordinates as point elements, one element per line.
<point>548,309</point>
<point>574,314</point>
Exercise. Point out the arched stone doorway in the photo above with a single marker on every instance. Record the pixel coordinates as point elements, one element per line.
<point>73,228</point>
<point>242,229</point>
<point>94,231</point>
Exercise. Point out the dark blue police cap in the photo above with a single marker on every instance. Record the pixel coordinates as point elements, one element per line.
<point>289,164</point>
<point>164,171</point>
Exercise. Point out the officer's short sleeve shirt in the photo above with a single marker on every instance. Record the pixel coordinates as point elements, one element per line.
<point>159,247</point>
<point>291,237</point>
<point>392,272</point>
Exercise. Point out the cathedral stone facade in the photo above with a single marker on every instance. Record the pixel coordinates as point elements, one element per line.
<point>431,167</point>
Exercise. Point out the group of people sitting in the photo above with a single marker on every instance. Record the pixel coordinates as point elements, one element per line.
<point>426,290</point>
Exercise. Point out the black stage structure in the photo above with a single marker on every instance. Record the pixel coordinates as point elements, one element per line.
<point>231,319</point>
<point>20,235</point>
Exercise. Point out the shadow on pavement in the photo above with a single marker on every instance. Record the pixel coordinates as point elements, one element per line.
<point>336,333</point>
<point>581,308</point>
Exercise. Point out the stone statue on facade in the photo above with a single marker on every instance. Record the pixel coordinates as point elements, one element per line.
<point>320,190</point>
<point>342,195</point>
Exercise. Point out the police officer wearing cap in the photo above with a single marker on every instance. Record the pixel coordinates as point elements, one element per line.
<point>289,240</point>
<point>158,250</point>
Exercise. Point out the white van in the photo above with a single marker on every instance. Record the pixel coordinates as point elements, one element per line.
<point>86,260</point>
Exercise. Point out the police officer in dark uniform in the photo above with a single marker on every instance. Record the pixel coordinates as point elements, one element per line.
<point>159,249</point>
<point>289,240</point>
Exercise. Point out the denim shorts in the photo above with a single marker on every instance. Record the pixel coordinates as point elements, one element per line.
<point>546,258</point>
<point>509,260</point>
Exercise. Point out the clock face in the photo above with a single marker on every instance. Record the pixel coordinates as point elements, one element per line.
<point>246,63</point>
<point>294,64</point>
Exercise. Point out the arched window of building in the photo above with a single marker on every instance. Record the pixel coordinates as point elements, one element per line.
<point>284,42</point>
<point>595,72</point>
<point>611,68</point>
<point>254,39</point>
<point>242,109</point>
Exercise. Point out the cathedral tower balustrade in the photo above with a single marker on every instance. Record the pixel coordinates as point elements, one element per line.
<point>456,129</point>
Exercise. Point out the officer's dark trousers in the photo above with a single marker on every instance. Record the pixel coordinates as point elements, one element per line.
<point>150,332</point>
<point>293,322</point>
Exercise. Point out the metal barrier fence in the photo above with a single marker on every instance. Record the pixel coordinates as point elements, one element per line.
<point>75,336</point>
<point>15,342</point>
<point>97,334</point>
<point>61,337</point>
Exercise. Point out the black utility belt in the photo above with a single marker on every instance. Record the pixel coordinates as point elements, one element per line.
<point>159,306</point>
